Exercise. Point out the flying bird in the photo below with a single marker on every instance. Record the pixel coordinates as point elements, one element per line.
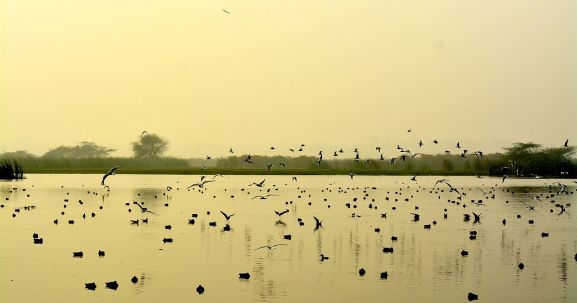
<point>318,223</point>
<point>270,247</point>
<point>260,184</point>
<point>201,183</point>
<point>143,209</point>
<point>440,181</point>
<point>224,10</point>
<point>111,172</point>
<point>227,217</point>
<point>280,213</point>
<point>263,197</point>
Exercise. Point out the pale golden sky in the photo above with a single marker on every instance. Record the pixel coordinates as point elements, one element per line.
<point>325,73</point>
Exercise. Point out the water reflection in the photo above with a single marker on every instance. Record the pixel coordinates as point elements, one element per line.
<point>426,264</point>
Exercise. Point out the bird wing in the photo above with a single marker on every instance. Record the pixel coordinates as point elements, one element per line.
<point>318,222</point>
<point>225,215</point>
<point>136,203</point>
<point>104,178</point>
<point>113,170</point>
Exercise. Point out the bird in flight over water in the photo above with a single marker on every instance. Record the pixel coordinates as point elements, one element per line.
<point>270,247</point>
<point>111,172</point>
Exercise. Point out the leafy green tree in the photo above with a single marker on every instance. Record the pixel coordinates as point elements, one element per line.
<point>149,146</point>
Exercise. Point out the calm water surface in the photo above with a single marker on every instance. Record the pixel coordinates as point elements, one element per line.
<point>425,266</point>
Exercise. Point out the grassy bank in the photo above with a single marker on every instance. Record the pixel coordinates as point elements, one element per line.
<point>422,165</point>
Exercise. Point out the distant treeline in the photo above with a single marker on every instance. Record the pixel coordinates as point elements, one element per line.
<point>520,159</point>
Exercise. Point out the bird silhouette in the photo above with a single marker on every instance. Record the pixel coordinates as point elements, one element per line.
<point>200,184</point>
<point>227,217</point>
<point>318,223</point>
<point>263,197</point>
<point>280,213</point>
<point>259,184</point>
<point>143,209</point>
<point>270,247</point>
<point>111,172</point>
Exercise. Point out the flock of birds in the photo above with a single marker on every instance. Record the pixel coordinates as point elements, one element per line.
<point>262,190</point>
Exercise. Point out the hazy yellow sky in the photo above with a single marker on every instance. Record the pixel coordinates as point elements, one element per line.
<point>325,73</point>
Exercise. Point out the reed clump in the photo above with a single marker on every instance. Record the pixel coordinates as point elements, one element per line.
<point>10,170</point>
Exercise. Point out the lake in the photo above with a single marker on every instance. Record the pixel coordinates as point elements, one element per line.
<point>426,264</point>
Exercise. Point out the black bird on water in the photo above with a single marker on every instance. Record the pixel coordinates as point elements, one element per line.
<point>471,296</point>
<point>90,286</point>
<point>244,275</point>
<point>112,285</point>
<point>200,289</point>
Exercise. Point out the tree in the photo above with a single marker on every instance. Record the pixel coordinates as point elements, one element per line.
<point>19,154</point>
<point>83,150</point>
<point>149,146</point>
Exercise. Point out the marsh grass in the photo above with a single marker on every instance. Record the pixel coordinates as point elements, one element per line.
<point>529,160</point>
<point>10,170</point>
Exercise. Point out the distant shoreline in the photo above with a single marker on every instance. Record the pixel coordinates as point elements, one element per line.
<point>526,160</point>
<point>260,172</point>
